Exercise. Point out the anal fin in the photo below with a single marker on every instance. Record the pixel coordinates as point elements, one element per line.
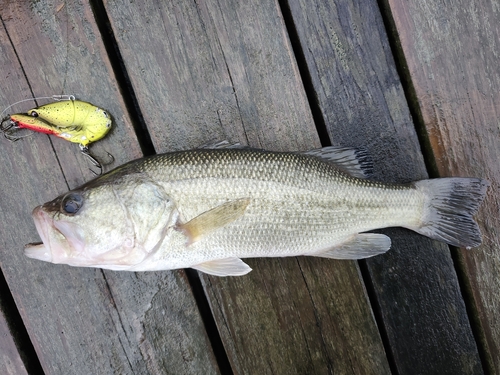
<point>360,246</point>
<point>224,267</point>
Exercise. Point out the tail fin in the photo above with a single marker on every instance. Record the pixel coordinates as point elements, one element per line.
<point>449,207</point>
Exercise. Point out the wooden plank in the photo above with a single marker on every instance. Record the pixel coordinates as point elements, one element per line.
<point>210,70</point>
<point>363,104</point>
<point>81,321</point>
<point>10,357</point>
<point>452,57</point>
<point>11,360</point>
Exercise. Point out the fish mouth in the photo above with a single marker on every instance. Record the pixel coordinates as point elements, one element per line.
<point>59,239</point>
<point>40,250</point>
<point>37,251</point>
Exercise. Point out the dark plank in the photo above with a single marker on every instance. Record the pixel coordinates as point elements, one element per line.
<point>81,321</point>
<point>210,70</point>
<point>362,103</point>
<point>10,357</point>
<point>452,57</point>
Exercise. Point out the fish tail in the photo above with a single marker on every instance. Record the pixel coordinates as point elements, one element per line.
<point>450,204</point>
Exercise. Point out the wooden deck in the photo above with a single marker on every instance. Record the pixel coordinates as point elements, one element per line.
<point>415,82</point>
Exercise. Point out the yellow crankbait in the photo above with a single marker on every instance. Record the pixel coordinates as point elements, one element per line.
<point>70,133</point>
<point>22,121</point>
<point>73,120</point>
<point>81,122</point>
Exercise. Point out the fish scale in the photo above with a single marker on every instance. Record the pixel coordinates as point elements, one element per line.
<point>300,204</point>
<point>209,208</point>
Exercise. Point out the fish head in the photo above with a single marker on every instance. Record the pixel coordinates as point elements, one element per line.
<point>112,226</point>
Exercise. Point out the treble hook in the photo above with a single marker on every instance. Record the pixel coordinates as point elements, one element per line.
<point>85,151</point>
<point>9,127</point>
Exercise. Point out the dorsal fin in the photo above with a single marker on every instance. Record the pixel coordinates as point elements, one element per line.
<point>222,145</point>
<point>356,162</point>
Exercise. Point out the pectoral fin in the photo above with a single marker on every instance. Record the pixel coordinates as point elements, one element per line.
<point>363,245</point>
<point>224,267</point>
<point>213,219</point>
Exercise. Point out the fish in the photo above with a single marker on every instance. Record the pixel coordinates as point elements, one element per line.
<point>211,207</point>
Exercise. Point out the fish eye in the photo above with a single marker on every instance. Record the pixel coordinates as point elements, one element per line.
<point>34,114</point>
<point>71,203</point>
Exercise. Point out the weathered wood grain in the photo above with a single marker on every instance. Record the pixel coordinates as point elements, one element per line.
<point>362,102</point>
<point>81,321</point>
<point>11,362</point>
<point>210,70</point>
<point>10,358</point>
<point>452,57</point>
<point>61,52</point>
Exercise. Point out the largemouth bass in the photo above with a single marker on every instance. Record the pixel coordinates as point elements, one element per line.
<point>209,208</point>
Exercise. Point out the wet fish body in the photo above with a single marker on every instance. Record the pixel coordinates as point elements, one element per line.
<point>209,208</point>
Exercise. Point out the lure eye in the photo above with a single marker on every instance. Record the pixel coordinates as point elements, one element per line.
<point>72,203</point>
<point>34,114</point>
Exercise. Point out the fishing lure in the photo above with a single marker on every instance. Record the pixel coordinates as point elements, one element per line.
<point>70,133</point>
<point>12,123</point>
<point>81,122</point>
<point>70,119</point>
